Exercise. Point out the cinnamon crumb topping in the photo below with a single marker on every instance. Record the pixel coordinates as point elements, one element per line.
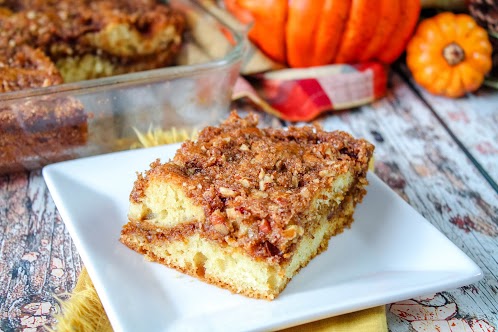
<point>256,185</point>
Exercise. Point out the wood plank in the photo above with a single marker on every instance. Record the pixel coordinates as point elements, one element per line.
<point>474,121</point>
<point>37,257</point>
<point>414,155</point>
<point>417,158</point>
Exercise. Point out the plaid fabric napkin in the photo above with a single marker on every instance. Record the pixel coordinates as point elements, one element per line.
<point>290,93</point>
<point>303,94</point>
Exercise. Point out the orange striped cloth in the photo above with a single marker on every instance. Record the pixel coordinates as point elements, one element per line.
<point>303,94</point>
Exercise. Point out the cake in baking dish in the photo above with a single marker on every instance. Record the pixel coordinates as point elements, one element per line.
<point>36,131</point>
<point>246,208</point>
<point>49,42</point>
<point>88,39</point>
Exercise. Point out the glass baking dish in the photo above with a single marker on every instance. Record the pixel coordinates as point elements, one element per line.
<point>73,120</point>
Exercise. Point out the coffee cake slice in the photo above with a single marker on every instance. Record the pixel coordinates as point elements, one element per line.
<point>245,208</point>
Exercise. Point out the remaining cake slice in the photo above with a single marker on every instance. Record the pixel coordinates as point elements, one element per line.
<point>245,208</point>
<point>40,130</point>
<point>88,39</point>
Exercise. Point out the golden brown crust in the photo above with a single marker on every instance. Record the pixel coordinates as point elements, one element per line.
<point>256,185</point>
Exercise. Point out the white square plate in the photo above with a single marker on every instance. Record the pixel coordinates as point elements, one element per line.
<point>391,253</point>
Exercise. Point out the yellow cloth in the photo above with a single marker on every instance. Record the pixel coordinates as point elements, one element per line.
<point>84,312</point>
<point>368,320</point>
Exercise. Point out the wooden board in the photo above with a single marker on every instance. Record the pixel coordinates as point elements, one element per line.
<point>473,120</point>
<point>37,257</point>
<point>415,155</point>
<point>417,158</point>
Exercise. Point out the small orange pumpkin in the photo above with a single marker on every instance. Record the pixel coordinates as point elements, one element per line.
<point>449,54</point>
<point>303,33</point>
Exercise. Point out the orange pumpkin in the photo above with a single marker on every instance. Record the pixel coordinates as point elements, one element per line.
<point>304,33</point>
<point>449,54</point>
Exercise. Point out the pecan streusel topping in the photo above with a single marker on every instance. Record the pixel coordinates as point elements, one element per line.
<point>256,185</point>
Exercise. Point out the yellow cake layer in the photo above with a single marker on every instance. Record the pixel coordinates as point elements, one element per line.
<point>231,268</point>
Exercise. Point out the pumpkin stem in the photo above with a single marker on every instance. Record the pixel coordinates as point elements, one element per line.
<point>453,54</point>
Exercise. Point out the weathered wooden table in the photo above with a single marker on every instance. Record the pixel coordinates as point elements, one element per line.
<point>440,155</point>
